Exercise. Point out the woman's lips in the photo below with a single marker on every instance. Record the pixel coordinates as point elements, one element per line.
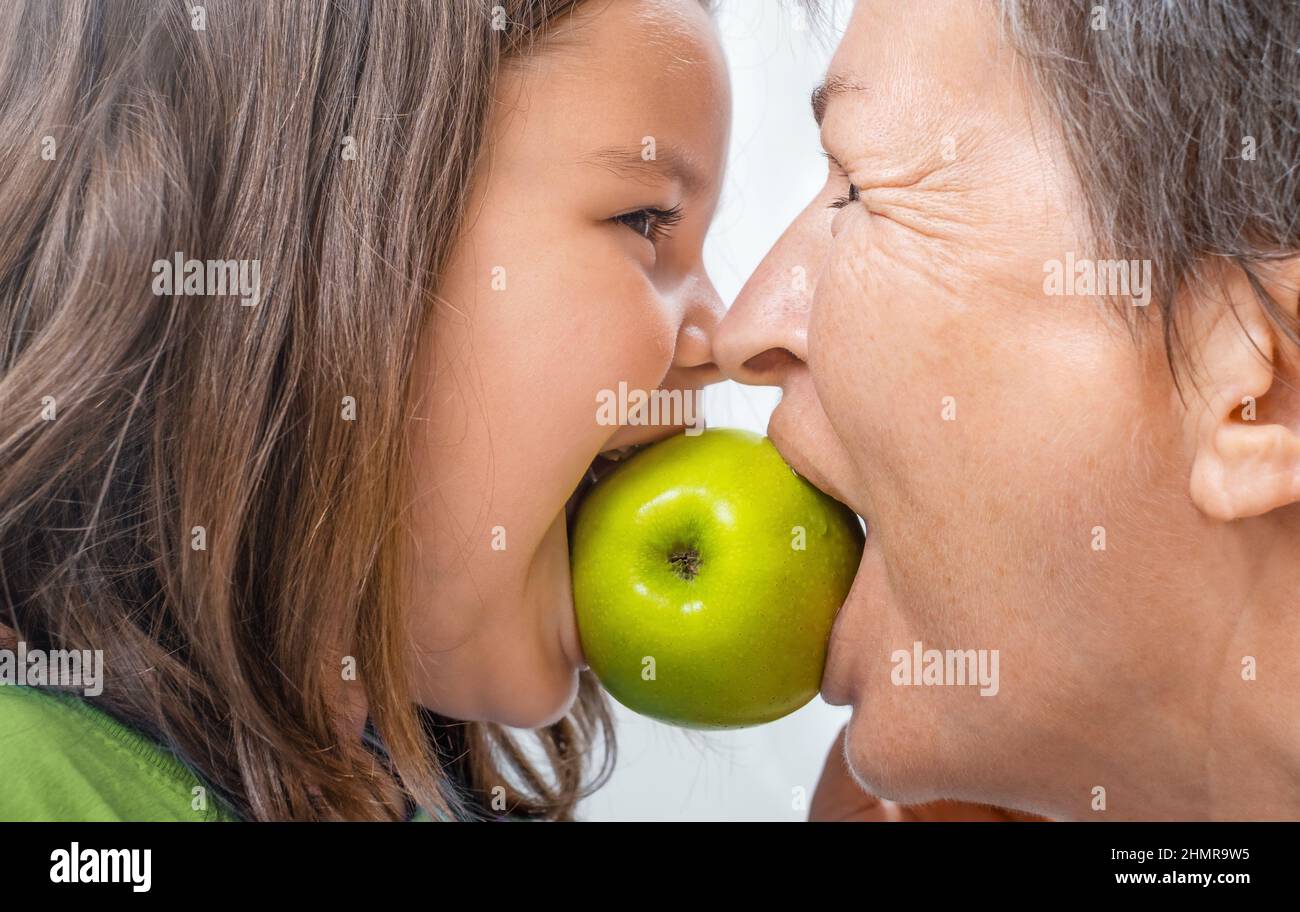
<point>805,467</point>
<point>845,639</point>
<point>836,680</point>
<point>851,635</point>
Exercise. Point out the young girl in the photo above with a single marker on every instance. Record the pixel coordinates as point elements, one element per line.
<point>314,521</point>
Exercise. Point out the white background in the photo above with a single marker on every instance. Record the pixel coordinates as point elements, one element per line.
<point>774,168</point>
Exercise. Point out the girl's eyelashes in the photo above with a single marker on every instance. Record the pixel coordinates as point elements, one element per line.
<point>850,197</point>
<point>652,223</point>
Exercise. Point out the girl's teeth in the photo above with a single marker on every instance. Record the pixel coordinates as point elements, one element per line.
<point>620,453</point>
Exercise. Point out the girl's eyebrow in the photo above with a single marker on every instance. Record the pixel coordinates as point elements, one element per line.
<point>631,162</point>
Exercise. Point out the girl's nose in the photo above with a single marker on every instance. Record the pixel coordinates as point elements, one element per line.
<point>695,337</point>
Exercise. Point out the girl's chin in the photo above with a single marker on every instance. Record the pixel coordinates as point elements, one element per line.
<point>541,710</point>
<point>513,704</point>
<point>563,708</point>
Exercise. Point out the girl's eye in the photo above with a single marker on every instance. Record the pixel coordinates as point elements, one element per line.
<point>651,223</point>
<point>850,197</point>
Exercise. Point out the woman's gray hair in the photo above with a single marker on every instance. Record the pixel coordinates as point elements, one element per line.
<point>1182,121</point>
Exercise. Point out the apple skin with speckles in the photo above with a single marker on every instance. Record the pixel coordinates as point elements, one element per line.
<point>706,579</point>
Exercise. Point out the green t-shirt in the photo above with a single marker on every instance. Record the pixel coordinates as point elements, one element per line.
<point>62,759</point>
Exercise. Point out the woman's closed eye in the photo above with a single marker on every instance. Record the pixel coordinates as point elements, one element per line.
<point>652,223</point>
<point>851,196</point>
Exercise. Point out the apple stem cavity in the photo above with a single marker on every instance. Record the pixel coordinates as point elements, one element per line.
<point>685,561</point>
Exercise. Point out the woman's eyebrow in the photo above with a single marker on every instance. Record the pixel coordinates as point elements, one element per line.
<point>632,163</point>
<point>831,87</point>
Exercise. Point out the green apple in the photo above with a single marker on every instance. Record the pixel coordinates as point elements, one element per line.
<point>706,578</point>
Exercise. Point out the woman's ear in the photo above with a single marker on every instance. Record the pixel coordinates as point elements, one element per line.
<point>1244,428</point>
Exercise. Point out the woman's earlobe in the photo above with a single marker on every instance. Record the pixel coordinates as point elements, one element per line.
<point>1245,424</point>
<point>1247,471</point>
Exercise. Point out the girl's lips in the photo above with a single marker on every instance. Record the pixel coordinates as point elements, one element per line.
<point>604,463</point>
<point>571,643</point>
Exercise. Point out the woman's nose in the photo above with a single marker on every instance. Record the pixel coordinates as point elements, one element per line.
<point>765,333</point>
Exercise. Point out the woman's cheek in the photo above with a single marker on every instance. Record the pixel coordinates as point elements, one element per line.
<point>872,338</point>
<point>849,304</point>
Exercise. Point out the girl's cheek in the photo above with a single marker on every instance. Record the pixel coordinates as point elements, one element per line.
<point>646,336</point>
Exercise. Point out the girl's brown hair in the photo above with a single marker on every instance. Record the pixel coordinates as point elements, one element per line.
<point>333,143</point>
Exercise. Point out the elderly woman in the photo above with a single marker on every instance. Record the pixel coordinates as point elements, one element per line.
<point>1051,356</point>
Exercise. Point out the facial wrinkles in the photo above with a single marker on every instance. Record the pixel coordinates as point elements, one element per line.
<point>933,165</point>
<point>917,226</point>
